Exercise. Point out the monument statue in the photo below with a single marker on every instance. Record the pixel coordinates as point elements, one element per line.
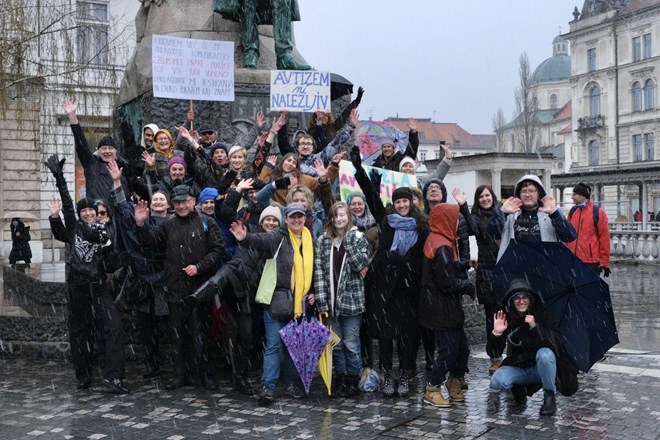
<point>250,13</point>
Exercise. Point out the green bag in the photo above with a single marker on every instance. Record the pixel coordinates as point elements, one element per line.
<point>268,280</point>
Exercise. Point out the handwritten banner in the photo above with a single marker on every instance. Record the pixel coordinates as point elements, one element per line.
<point>390,181</point>
<point>299,91</point>
<point>184,68</point>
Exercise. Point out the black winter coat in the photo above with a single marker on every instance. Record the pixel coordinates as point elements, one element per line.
<point>440,304</point>
<point>194,239</point>
<point>20,241</point>
<point>488,248</point>
<point>393,162</point>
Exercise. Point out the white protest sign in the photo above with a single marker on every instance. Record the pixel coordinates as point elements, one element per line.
<point>183,68</point>
<point>299,91</point>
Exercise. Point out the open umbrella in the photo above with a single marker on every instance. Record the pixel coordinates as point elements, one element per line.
<point>372,134</point>
<point>325,361</point>
<point>573,294</point>
<point>24,216</point>
<point>305,338</point>
<point>339,86</point>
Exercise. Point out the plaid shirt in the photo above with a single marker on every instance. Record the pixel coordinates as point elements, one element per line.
<point>349,295</point>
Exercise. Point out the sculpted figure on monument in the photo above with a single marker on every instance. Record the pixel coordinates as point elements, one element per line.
<point>250,14</point>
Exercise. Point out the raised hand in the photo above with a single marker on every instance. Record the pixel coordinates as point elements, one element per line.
<point>238,230</point>
<point>412,124</point>
<point>548,205</point>
<point>359,94</point>
<point>321,170</point>
<point>512,205</point>
<point>183,131</point>
<point>272,159</point>
<point>261,139</point>
<point>55,165</point>
<point>293,180</point>
<point>354,118</point>
<point>141,212</point>
<point>338,157</point>
<point>259,119</point>
<point>54,206</point>
<point>244,184</point>
<point>447,151</point>
<point>356,159</point>
<point>375,178</point>
<point>69,107</point>
<point>499,322</point>
<point>150,159</point>
<point>459,196</point>
<point>279,122</point>
<point>530,321</point>
<point>114,170</point>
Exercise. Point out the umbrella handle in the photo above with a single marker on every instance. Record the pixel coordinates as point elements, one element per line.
<point>322,315</point>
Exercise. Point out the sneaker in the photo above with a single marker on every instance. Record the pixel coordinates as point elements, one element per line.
<point>494,365</point>
<point>116,386</point>
<point>519,394</point>
<point>433,396</point>
<point>294,391</point>
<point>266,396</point>
<point>454,388</point>
<point>388,388</point>
<point>404,388</point>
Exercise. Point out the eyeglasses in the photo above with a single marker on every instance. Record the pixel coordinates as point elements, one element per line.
<point>529,191</point>
<point>305,143</point>
<point>103,212</point>
<point>521,298</point>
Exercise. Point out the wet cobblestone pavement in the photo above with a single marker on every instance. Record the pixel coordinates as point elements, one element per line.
<point>618,399</point>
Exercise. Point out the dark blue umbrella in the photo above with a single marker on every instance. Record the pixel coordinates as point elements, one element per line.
<point>572,293</point>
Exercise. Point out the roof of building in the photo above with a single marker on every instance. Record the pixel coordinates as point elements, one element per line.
<point>592,8</point>
<point>557,67</point>
<point>450,132</point>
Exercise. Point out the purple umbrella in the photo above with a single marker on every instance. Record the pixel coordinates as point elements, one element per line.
<point>305,339</point>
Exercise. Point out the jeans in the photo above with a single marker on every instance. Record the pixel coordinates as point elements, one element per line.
<point>275,353</point>
<point>544,372</point>
<point>347,352</point>
<point>452,355</point>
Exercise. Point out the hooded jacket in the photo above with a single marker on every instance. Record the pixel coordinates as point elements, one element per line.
<point>553,227</point>
<point>592,245</point>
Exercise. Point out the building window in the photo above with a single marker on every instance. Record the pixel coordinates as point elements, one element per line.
<point>92,33</point>
<point>637,48</point>
<point>594,147</point>
<point>553,101</point>
<point>636,97</point>
<point>637,147</point>
<point>591,60</point>
<point>594,101</point>
<point>649,94</point>
<point>422,156</point>
<point>649,148</point>
<point>437,154</point>
<point>647,46</point>
<point>513,143</point>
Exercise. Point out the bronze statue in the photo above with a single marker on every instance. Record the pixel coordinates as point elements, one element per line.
<point>250,13</point>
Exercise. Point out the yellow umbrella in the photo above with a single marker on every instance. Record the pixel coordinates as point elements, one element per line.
<point>325,361</point>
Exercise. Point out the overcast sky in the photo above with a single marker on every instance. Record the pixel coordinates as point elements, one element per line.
<point>450,60</point>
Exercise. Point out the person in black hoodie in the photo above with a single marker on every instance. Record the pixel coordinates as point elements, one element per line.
<point>86,284</point>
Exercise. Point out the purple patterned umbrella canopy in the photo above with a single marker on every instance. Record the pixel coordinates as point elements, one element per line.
<point>372,134</point>
<point>305,339</point>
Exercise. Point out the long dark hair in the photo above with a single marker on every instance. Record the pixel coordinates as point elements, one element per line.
<point>420,217</point>
<point>477,209</point>
<point>277,172</point>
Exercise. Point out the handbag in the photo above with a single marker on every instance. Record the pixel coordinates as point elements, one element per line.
<point>281,305</point>
<point>268,279</point>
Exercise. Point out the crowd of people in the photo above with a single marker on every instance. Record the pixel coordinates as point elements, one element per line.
<point>191,224</point>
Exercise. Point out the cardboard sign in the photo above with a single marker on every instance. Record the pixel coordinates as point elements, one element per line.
<point>183,68</point>
<point>299,91</point>
<point>390,181</point>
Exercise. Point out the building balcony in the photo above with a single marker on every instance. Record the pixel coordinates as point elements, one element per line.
<point>587,123</point>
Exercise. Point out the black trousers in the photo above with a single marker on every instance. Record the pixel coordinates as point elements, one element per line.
<point>189,330</point>
<point>82,298</point>
<point>405,346</point>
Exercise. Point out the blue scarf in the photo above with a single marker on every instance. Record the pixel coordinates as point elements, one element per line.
<point>405,233</point>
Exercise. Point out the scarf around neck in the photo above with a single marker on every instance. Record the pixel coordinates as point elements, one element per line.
<point>303,267</point>
<point>405,233</point>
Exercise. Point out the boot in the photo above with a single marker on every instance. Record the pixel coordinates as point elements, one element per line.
<point>549,404</point>
<point>250,59</point>
<point>350,387</point>
<point>243,386</point>
<point>519,394</point>
<point>388,388</point>
<point>494,365</point>
<point>404,387</point>
<point>433,396</point>
<point>288,62</point>
<point>463,383</point>
<point>454,388</point>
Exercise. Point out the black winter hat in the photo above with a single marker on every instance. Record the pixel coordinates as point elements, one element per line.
<point>402,192</point>
<point>582,189</point>
<point>106,141</point>
<point>86,202</point>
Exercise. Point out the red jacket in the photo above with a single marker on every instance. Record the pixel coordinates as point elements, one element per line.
<point>591,246</point>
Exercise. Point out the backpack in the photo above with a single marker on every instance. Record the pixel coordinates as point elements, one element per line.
<point>595,211</point>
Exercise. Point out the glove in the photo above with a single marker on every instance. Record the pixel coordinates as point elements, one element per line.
<point>375,178</point>
<point>55,165</point>
<point>356,159</point>
<point>359,95</point>
<point>282,183</point>
<point>605,271</point>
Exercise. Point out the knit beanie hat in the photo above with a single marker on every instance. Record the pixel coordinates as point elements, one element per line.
<point>86,202</point>
<point>406,160</point>
<point>107,141</point>
<point>175,160</point>
<point>271,211</point>
<point>219,145</point>
<point>402,193</point>
<point>208,194</point>
<point>582,189</point>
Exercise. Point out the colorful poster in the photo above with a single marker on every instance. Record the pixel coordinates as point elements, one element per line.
<point>390,181</point>
<point>299,91</point>
<point>184,68</point>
